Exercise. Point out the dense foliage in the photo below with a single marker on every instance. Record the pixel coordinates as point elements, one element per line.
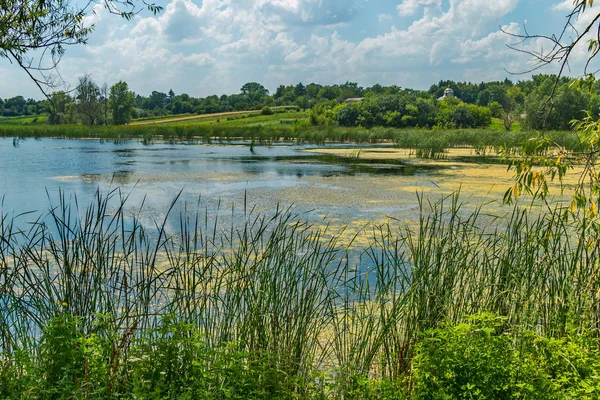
<point>18,105</point>
<point>403,110</point>
<point>473,106</point>
<point>481,358</point>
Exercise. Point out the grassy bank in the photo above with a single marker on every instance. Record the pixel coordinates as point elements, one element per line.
<point>266,130</point>
<point>24,120</point>
<point>96,305</point>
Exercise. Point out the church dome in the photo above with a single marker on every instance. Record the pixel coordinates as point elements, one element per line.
<point>448,92</point>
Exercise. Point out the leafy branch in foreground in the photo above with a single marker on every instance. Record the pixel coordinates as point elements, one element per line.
<point>34,34</point>
<point>542,159</point>
<point>533,167</point>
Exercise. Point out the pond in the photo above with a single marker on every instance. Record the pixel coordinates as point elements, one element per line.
<point>348,185</point>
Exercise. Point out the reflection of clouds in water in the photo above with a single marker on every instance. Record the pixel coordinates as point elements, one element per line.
<point>367,188</point>
<point>67,178</point>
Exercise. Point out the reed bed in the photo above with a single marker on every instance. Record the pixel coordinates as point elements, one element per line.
<point>426,143</point>
<point>96,305</point>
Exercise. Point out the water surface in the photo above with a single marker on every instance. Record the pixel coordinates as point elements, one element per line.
<point>232,178</point>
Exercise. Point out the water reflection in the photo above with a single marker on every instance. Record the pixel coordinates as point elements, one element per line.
<point>35,171</point>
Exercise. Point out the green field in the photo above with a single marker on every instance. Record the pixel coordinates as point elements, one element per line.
<point>249,120</point>
<point>281,117</point>
<point>29,120</point>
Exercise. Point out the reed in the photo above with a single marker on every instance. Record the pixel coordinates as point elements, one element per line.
<point>271,303</point>
<point>426,143</point>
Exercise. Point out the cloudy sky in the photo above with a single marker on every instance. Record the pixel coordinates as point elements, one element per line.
<point>204,47</point>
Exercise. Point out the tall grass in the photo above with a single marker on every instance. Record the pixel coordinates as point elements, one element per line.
<point>271,293</point>
<point>426,143</point>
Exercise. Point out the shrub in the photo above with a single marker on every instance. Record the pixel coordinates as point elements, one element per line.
<point>465,361</point>
<point>496,109</point>
<point>71,364</point>
<point>348,115</point>
<point>482,359</point>
<point>266,111</point>
<point>482,115</point>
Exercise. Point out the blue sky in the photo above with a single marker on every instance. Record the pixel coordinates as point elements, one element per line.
<point>204,47</point>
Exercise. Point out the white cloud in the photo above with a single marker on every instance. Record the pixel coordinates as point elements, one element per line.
<point>196,60</point>
<point>297,54</point>
<point>261,45</point>
<point>565,5</point>
<point>411,7</point>
<point>491,48</point>
<point>312,12</point>
<point>215,46</point>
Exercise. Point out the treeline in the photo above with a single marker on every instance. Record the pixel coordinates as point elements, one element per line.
<point>18,106</point>
<point>92,105</point>
<point>539,103</point>
<point>404,110</point>
<point>345,104</point>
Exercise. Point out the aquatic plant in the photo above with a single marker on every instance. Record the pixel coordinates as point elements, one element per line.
<point>272,305</point>
<point>426,143</point>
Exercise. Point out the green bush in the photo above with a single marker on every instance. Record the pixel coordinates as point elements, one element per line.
<point>172,361</point>
<point>266,111</point>
<point>496,109</point>
<point>465,361</point>
<point>175,361</point>
<point>482,359</point>
<point>69,364</point>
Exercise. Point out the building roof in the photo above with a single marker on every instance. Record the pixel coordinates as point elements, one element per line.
<point>448,92</point>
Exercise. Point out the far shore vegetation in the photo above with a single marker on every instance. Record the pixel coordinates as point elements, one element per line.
<point>446,105</point>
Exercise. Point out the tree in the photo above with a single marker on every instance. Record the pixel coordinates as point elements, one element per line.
<point>351,89</point>
<point>376,88</point>
<point>567,104</point>
<point>303,102</point>
<point>59,112</point>
<point>156,101</point>
<point>121,103</point>
<point>104,99</point>
<point>492,92</point>
<point>348,115</point>
<point>559,48</point>
<point>15,106</point>
<point>496,109</point>
<point>34,34</point>
<point>299,90</point>
<point>312,90</point>
<point>253,88</point>
<point>170,98</point>
<point>329,92</point>
<point>280,92</point>
<point>177,107</point>
<point>89,106</point>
